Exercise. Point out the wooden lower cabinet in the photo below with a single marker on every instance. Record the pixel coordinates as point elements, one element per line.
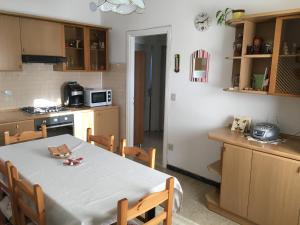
<point>14,128</point>
<point>236,169</point>
<point>82,121</point>
<point>274,190</point>
<point>106,122</point>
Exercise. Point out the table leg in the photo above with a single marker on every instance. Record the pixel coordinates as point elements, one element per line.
<point>150,214</point>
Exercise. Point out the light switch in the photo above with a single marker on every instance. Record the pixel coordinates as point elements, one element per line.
<point>173,97</point>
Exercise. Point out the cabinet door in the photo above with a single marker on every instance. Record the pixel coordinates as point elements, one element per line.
<point>107,123</point>
<point>98,49</point>
<point>11,127</point>
<point>236,168</point>
<point>83,121</point>
<point>42,37</point>
<point>10,43</point>
<point>274,190</point>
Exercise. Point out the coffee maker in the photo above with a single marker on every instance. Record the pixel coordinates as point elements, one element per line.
<point>73,94</point>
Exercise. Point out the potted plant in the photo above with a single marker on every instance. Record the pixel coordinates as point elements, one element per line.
<point>222,16</point>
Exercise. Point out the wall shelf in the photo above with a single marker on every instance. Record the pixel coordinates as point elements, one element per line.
<point>246,91</point>
<point>215,167</point>
<point>233,57</point>
<point>258,56</point>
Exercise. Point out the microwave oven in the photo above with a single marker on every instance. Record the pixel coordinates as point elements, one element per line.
<point>97,97</point>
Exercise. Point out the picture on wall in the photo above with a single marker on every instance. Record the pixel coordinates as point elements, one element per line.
<point>199,66</point>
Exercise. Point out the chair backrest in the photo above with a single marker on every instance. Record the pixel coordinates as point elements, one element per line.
<point>147,203</point>
<point>6,184</point>
<point>138,153</point>
<point>29,200</point>
<point>106,142</point>
<point>25,136</point>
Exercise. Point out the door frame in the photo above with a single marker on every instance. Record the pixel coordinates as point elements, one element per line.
<point>130,43</point>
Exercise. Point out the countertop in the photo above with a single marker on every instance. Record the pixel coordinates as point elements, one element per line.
<point>288,149</point>
<point>15,115</point>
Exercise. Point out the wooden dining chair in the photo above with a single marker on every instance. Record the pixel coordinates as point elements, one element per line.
<point>25,136</point>
<point>106,142</point>
<point>29,201</point>
<point>138,153</point>
<point>6,187</point>
<point>147,203</point>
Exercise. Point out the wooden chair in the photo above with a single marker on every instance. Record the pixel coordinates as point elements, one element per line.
<point>29,201</point>
<point>25,136</point>
<point>146,156</point>
<point>6,187</point>
<point>104,141</point>
<point>147,203</point>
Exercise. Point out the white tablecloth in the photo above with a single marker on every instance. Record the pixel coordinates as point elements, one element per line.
<point>86,194</point>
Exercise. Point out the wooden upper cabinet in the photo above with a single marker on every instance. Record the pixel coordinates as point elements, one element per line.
<point>10,44</point>
<point>236,169</point>
<point>274,191</point>
<point>41,37</point>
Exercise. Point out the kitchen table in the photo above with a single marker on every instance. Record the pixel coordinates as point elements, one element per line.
<point>86,194</point>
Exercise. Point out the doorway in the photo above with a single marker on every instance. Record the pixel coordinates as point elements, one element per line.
<point>147,89</point>
<point>149,92</point>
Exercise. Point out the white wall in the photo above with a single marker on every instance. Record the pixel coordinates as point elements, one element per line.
<point>199,108</point>
<point>74,10</point>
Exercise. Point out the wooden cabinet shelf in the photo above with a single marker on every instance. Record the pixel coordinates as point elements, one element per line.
<point>257,56</point>
<point>234,57</point>
<point>246,91</point>
<point>213,197</point>
<point>216,167</point>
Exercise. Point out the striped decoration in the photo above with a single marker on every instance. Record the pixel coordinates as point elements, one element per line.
<point>195,76</point>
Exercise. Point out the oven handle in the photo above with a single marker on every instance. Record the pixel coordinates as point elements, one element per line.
<point>60,125</point>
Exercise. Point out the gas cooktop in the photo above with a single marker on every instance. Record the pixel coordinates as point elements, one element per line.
<point>44,110</point>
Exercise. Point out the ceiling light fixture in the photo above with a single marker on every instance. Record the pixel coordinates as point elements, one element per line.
<point>118,6</point>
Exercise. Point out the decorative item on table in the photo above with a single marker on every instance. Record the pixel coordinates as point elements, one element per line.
<point>257,45</point>
<point>222,15</point>
<point>177,63</point>
<point>61,151</point>
<point>199,66</point>
<point>241,124</point>
<point>73,162</point>
<point>238,45</point>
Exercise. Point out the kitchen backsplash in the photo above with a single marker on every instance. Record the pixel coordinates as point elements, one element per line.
<point>38,83</point>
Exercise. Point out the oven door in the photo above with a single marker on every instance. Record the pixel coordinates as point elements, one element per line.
<point>56,130</point>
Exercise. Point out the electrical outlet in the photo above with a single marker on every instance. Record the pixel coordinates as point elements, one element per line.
<point>173,97</point>
<point>170,147</point>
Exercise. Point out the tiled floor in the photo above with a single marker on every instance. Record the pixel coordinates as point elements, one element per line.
<point>194,207</point>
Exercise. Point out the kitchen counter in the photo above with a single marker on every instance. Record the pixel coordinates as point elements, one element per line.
<point>288,149</point>
<point>15,115</point>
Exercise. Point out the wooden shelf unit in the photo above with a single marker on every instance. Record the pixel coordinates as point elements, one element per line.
<point>246,91</point>
<point>215,167</point>
<point>283,69</point>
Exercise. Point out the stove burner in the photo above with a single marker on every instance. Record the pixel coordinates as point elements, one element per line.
<point>43,110</point>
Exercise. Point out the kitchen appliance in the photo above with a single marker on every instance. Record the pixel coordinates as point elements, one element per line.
<point>97,97</point>
<point>73,94</point>
<point>57,125</point>
<point>43,110</point>
<point>265,132</point>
